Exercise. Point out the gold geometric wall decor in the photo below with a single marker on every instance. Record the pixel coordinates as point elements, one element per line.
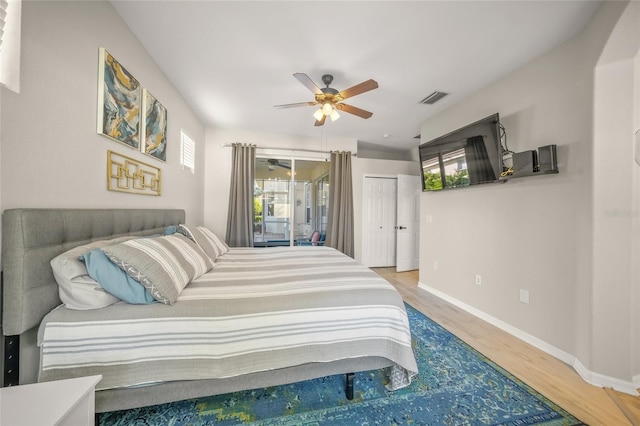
<point>124,174</point>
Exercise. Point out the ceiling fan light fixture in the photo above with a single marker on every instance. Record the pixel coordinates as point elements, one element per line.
<point>328,99</point>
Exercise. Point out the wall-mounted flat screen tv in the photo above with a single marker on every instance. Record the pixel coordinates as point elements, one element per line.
<point>468,156</point>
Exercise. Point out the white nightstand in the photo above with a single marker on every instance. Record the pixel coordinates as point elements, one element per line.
<point>62,402</point>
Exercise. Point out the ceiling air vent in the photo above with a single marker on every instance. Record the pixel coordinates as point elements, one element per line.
<point>433,98</point>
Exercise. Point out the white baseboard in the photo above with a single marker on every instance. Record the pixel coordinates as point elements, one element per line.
<point>588,376</point>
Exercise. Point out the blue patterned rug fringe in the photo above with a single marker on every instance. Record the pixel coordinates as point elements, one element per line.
<point>456,385</point>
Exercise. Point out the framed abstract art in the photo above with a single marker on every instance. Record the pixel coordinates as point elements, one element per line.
<point>119,102</point>
<point>155,127</point>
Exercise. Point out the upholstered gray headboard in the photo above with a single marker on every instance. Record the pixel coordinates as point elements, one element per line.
<point>32,237</point>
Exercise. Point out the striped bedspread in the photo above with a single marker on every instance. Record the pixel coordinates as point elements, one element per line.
<point>258,310</point>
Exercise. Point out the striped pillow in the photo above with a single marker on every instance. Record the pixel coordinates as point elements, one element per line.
<point>163,265</point>
<point>209,242</point>
<point>222,245</point>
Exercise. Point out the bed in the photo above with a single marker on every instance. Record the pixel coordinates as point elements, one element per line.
<point>259,317</point>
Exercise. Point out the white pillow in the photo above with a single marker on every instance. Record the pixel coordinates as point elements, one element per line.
<point>76,288</point>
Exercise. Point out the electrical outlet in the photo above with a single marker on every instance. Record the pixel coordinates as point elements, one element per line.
<point>524,296</point>
<point>429,218</point>
<point>479,279</point>
<point>435,265</point>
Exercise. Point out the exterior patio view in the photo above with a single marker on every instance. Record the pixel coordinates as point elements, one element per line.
<point>290,202</point>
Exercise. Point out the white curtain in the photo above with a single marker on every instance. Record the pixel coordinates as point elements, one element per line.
<point>340,218</point>
<point>240,214</point>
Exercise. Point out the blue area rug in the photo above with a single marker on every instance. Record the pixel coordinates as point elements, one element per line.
<point>456,386</point>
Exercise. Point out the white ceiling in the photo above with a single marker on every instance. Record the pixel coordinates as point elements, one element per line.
<point>234,60</point>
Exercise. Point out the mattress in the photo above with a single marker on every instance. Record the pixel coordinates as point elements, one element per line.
<point>258,309</point>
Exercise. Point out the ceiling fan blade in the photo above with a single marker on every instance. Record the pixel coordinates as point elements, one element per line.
<point>321,121</point>
<point>276,162</point>
<point>297,104</point>
<point>365,86</point>
<point>354,110</point>
<point>304,79</point>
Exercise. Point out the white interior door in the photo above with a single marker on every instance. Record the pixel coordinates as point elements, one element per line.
<point>408,223</point>
<point>379,233</point>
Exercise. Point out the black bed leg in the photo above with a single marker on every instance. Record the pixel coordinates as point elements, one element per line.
<point>349,388</point>
<point>11,372</point>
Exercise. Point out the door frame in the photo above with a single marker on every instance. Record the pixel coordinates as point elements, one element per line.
<point>293,156</point>
<point>363,204</point>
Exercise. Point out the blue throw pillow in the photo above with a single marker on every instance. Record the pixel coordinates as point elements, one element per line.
<point>114,280</point>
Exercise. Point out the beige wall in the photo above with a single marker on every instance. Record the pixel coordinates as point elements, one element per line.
<point>51,153</point>
<point>549,234</point>
<point>616,183</point>
<point>635,289</point>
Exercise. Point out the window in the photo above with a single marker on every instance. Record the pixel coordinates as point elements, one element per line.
<point>445,169</point>
<point>10,11</point>
<point>187,152</point>
<point>3,14</point>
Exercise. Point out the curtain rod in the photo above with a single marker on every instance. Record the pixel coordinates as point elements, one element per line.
<point>228,145</point>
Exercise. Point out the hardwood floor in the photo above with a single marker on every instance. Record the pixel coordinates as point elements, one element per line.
<point>551,377</point>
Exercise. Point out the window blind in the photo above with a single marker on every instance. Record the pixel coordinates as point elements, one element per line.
<point>10,11</point>
<point>3,17</point>
<point>187,152</point>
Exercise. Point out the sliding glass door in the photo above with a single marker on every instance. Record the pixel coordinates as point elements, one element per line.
<point>287,196</point>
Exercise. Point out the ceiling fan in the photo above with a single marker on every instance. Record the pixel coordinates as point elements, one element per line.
<point>272,162</point>
<point>330,100</point>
